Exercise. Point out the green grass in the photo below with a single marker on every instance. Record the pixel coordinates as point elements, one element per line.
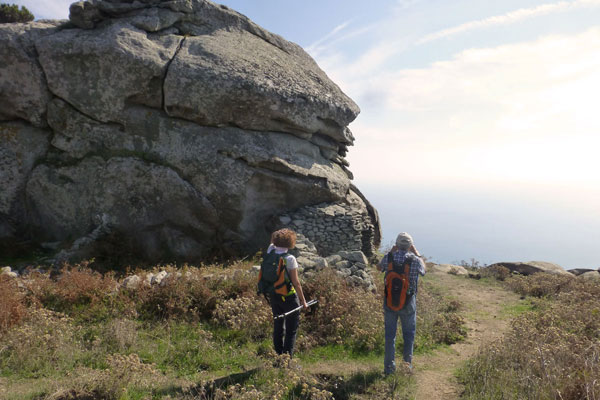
<point>514,310</point>
<point>335,352</point>
<point>106,342</point>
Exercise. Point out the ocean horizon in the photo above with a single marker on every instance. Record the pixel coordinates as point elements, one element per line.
<point>490,224</point>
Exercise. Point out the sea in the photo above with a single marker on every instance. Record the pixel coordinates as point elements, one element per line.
<point>485,224</point>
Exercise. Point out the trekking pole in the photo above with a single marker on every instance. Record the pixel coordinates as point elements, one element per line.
<point>310,303</point>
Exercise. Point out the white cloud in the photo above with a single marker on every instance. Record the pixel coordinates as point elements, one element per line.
<point>511,18</point>
<point>519,112</point>
<point>315,45</point>
<point>47,9</point>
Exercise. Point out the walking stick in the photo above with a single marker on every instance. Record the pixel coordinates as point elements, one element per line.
<point>310,303</point>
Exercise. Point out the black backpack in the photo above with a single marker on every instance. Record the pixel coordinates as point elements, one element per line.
<point>273,275</point>
<point>397,282</point>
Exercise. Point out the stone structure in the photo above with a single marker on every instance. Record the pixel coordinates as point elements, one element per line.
<point>332,227</point>
<point>171,129</point>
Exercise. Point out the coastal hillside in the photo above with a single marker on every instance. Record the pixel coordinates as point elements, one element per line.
<point>202,333</point>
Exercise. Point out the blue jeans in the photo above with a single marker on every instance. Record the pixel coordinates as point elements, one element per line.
<point>408,319</point>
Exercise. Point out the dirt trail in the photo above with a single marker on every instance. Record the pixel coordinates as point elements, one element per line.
<point>486,320</point>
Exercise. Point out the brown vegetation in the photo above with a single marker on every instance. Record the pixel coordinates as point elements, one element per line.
<point>110,340</point>
<point>551,352</point>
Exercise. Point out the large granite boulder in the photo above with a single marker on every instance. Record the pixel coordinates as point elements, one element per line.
<point>580,271</point>
<point>449,269</point>
<point>532,267</point>
<point>591,276</point>
<point>172,129</point>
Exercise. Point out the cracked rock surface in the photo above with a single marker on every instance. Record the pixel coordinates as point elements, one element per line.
<point>173,129</point>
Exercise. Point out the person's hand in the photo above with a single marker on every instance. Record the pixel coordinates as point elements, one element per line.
<point>304,305</point>
<point>413,249</point>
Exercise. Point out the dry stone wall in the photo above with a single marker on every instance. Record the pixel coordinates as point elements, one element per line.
<point>332,227</point>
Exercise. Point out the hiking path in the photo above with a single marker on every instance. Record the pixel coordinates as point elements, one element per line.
<point>486,308</point>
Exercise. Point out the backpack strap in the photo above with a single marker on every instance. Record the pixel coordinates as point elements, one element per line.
<point>282,285</point>
<point>408,260</point>
<point>390,259</point>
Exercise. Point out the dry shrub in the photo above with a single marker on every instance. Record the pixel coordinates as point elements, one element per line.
<point>78,291</point>
<point>278,377</point>
<point>345,315</point>
<point>13,308</point>
<point>541,284</point>
<point>123,372</point>
<point>186,296</point>
<point>120,334</point>
<point>552,352</point>
<point>498,272</point>
<point>237,280</point>
<point>250,315</point>
<point>45,342</point>
<point>437,319</point>
<point>83,286</point>
<point>112,383</point>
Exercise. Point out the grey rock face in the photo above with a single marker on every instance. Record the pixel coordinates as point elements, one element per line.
<point>23,90</point>
<point>21,146</point>
<point>98,71</point>
<point>176,129</point>
<point>235,78</point>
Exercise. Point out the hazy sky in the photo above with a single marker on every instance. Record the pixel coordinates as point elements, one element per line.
<point>473,106</point>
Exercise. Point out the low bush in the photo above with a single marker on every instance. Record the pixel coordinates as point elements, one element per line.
<point>197,321</point>
<point>552,352</point>
<point>249,315</point>
<point>498,272</point>
<point>541,284</point>
<point>78,291</point>
<point>344,315</point>
<point>437,319</point>
<point>13,308</point>
<point>45,342</point>
<point>186,296</point>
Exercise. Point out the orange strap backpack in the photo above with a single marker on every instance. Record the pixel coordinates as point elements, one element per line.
<point>397,282</point>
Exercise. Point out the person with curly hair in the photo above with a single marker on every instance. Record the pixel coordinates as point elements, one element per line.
<point>285,294</point>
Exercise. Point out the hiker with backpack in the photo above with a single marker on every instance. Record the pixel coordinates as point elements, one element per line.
<point>278,282</point>
<point>402,267</point>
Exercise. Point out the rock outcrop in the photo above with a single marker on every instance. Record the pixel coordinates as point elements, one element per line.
<point>580,271</point>
<point>171,129</point>
<point>531,267</point>
<point>590,276</point>
<point>449,269</point>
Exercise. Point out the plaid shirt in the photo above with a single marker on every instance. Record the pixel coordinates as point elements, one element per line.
<point>417,267</point>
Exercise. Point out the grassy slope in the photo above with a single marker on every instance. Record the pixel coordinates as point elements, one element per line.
<point>149,345</point>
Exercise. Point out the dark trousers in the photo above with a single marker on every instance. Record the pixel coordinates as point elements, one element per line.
<point>285,329</point>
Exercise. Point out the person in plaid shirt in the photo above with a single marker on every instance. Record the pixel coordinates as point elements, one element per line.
<point>408,314</point>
